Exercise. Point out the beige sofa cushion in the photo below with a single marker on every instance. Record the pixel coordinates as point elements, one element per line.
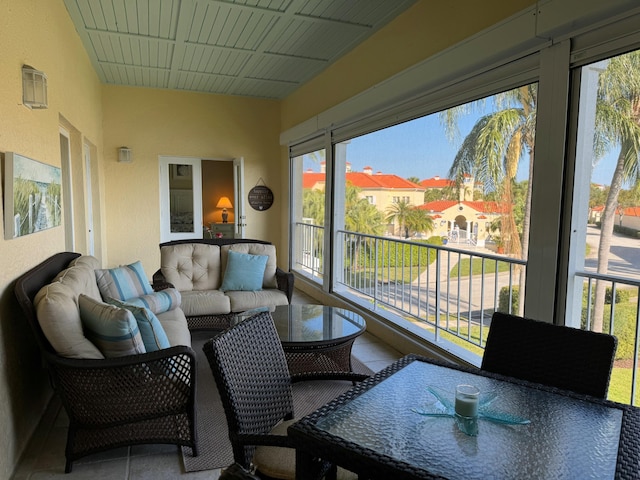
<point>241,301</point>
<point>191,266</point>
<point>205,302</point>
<point>80,279</point>
<point>175,326</point>
<point>269,280</point>
<point>59,317</point>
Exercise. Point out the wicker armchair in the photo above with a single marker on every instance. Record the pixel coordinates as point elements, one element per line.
<point>558,356</point>
<point>147,398</point>
<point>250,370</point>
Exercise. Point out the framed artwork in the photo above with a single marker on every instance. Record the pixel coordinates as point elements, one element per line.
<point>181,171</point>
<point>32,196</point>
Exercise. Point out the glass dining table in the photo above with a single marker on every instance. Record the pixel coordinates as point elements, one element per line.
<point>400,424</point>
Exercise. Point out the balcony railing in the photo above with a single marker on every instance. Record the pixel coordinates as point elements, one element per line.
<point>449,292</point>
<point>621,318</point>
<point>446,293</point>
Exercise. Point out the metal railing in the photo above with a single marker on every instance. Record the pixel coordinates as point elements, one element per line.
<point>447,291</point>
<point>621,318</point>
<point>308,256</point>
<point>451,293</point>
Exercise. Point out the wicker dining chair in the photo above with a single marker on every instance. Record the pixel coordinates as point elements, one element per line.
<point>252,376</point>
<point>553,355</point>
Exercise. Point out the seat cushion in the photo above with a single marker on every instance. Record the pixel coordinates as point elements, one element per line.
<point>280,462</point>
<point>241,301</point>
<point>175,326</point>
<point>209,302</point>
<point>269,279</point>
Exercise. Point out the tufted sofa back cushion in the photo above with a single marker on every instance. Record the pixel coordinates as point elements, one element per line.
<point>191,266</point>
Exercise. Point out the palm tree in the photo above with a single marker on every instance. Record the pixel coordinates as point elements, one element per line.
<point>491,152</point>
<point>617,125</point>
<point>419,221</point>
<point>313,205</point>
<point>398,213</point>
<point>361,217</point>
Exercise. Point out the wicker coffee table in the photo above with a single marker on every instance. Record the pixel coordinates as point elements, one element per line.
<point>317,338</point>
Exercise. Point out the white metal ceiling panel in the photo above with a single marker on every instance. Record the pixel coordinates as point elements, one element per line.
<point>258,48</point>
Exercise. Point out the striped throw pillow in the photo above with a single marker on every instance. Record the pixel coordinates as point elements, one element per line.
<point>113,330</point>
<point>158,302</point>
<point>123,282</point>
<point>153,335</point>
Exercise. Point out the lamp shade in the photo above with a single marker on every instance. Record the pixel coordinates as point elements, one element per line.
<point>224,202</point>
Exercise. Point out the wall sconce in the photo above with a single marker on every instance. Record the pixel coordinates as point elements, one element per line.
<point>124,155</point>
<point>34,88</point>
<point>224,203</point>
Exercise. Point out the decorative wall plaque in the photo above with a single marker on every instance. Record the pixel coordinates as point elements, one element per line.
<point>260,197</point>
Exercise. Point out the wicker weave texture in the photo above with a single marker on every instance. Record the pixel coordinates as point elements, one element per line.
<point>147,398</point>
<point>253,379</point>
<point>553,355</point>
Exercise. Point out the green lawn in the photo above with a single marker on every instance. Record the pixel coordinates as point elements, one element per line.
<point>489,267</point>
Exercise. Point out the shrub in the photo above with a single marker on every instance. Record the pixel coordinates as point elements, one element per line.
<point>503,300</point>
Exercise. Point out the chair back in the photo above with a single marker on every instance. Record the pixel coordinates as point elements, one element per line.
<point>557,356</point>
<point>252,376</point>
<point>29,284</point>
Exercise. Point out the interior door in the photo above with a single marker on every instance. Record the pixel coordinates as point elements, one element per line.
<point>238,194</point>
<point>180,198</point>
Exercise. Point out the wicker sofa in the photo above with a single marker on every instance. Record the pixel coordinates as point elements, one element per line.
<point>199,270</point>
<point>111,402</point>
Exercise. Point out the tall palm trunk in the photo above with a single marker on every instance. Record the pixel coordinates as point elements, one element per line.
<point>606,232</point>
<point>525,234</point>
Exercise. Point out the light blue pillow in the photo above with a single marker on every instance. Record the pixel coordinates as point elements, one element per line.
<point>158,302</point>
<point>244,272</point>
<point>153,335</point>
<point>123,282</point>
<point>113,330</point>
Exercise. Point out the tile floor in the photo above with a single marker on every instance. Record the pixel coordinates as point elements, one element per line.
<point>44,457</point>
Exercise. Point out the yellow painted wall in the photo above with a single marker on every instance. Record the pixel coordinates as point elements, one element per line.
<point>38,33</point>
<point>159,122</point>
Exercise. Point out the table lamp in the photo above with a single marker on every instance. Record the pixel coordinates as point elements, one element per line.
<point>224,203</point>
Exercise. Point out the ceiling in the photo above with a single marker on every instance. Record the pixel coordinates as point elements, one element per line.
<point>254,48</point>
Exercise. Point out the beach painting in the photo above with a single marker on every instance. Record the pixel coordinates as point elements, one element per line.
<point>32,196</point>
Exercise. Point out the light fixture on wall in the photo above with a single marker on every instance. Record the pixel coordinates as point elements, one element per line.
<point>124,155</point>
<point>224,203</point>
<point>34,88</point>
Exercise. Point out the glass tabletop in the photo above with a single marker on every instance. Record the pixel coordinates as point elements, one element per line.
<point>316,323</point>
<point>566,438</point>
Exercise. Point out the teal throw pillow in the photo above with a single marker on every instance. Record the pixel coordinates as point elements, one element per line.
<point>123,282</point>
<point>113,330</point>
<point>244,272</point>
<point>153,335</point>
<point>158,302</point>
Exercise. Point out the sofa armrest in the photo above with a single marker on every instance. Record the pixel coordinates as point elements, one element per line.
<point>154,382</point>
<point>159,282</point>
<point>285,282</point>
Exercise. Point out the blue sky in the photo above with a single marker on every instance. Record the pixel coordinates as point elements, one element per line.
<point>420,148</point>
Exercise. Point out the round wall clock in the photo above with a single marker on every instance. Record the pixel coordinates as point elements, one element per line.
<point>260,197</point>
